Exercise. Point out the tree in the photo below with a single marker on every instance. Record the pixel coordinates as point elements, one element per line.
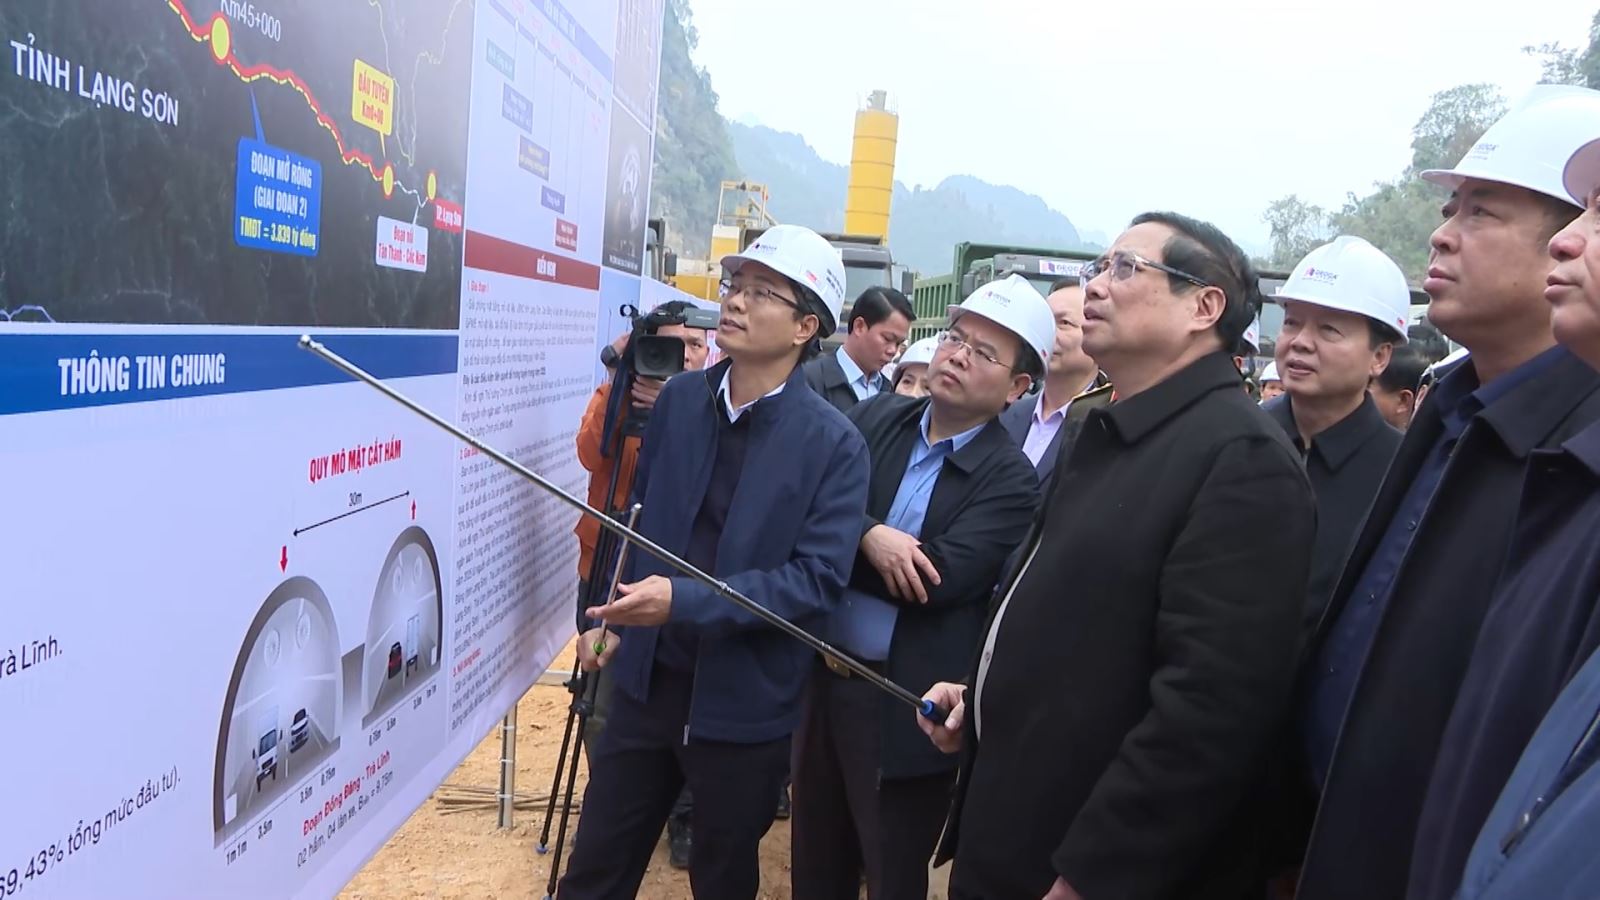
<point>1453,122</point>
<point>693,152</point>
<point>1396,216</point>
<point>1296,227</point>
<point>1568,65</point>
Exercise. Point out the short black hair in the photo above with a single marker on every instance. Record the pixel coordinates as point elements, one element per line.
<point>1063,283</point>
<point>810,305</point>
<point>878,303</point>
<point>1028,362</point>
<point>1405,370</point>
<point>1558,214</point>
<point>1380,333</point>
<point>1202,250</point>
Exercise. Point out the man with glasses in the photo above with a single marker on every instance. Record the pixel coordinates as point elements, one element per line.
<point>879,321</point>
<point>950,496</point>
<point>752,477</point>
<point>1128,691</point>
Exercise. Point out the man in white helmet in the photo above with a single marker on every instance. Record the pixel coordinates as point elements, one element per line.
<point>1386,662</point>
<point>750,475</point>
<point>951,496</point>
<point>1128,689</point>
<point>1271,383</point>
<point>1344,310</point>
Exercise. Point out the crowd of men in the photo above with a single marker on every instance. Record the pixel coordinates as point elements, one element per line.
<point>1337,642</point>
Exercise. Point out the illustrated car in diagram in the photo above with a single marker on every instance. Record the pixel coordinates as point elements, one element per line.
<point>299,730</point>
<point>396,657</point>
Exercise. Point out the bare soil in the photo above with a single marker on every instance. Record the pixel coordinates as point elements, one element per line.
<point>463,855</point>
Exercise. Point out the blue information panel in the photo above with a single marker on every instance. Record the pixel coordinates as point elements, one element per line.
<point>277,202</point>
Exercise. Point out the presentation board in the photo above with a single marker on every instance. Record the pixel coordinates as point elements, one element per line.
<point>254,611</point>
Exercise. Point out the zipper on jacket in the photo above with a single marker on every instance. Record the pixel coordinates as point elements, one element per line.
<point>694,676</point>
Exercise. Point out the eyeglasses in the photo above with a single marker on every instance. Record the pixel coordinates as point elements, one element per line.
<point>954,342</point>
<point>1124,263</point>
<point>756,293</point>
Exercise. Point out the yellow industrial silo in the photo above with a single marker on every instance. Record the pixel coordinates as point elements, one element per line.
<point>866,205</point>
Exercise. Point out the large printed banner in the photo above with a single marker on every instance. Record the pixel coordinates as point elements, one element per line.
<point>253,611</point>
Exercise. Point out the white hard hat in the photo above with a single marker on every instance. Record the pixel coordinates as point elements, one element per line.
<point>1016,305</point>
<point>1351,275</point>
<point>801,254</point>
<point>920,353</point>
<point>1270,373</point>
<point>1252,334</point>
<point>1530,145</point>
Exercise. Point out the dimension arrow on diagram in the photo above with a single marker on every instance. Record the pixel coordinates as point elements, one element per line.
<point>373,505</point>
<point>283,560</point>
<point>413,510</point>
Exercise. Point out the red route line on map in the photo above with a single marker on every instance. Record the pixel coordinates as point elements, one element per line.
<point>286,77</point>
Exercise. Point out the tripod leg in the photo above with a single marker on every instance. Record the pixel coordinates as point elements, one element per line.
<point>561,762</point>
<point>590,683</point>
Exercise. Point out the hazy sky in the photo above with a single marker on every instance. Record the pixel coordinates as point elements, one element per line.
<point>1214,109</point>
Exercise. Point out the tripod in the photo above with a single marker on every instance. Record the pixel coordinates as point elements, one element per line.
<point>583,686</point>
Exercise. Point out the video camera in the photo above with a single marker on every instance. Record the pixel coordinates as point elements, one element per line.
<point>648,355</point>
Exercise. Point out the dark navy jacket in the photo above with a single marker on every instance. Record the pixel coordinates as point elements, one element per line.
<point>789,543</point>
<point>1553,857</point>
<point>1541,626</point>
<point>1365,827</point>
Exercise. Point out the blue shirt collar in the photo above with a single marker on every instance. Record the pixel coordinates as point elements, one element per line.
<point>853,373</point>
<point>950,444</point>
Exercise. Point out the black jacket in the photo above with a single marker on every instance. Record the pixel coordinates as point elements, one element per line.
<point>1018,419</point>
<point>1362,840</point>
<point>1541,627</point>
<point>827,378</point>
<point>1346,464</point>
<point>981,507</point>
<point>1136,680</point>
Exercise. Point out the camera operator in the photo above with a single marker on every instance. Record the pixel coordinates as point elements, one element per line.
<point>757,480</point>
<point>604,462</point>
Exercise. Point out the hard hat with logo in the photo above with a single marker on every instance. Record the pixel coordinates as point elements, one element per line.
<point>1530,145</point>
<point>1270,373</point>
<point>1351,275</point>
<point>802,255</point>
<point>1252,335</point>
<point>1016,305</point>
<point>920,353</point>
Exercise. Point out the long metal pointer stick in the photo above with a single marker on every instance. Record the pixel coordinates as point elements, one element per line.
<point>927,708</point>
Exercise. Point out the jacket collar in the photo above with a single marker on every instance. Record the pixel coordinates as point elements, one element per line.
<point>832,373</point>
<point>1585,448</point>
<point>1527,413</point>
<point>1136,416</point>
<point>791,393</point>
<point>971,456</point>
<point>1339,442</point>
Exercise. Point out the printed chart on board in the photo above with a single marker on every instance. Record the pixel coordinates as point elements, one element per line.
<point>259,611</point>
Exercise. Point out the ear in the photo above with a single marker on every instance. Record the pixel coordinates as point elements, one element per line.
<point>1408,400</point>
<point>806,329</point>
<point>1380,359</point>
<point>859,321</point>
<point>1020,384</point>
<point>1209,305</point>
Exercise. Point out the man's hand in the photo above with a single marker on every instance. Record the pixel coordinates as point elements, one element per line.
<point>620,344</point>
<point>587,658</point>
<point>898,557</point>
<point>644,602</point>
<point>645,392</point>
<point>1062,891</point>
<point>946,735</point>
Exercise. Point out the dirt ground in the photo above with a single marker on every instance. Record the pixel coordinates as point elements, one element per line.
<point>462,854</point>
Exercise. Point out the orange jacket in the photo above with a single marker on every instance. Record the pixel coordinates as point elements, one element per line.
<point>590,432</point>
